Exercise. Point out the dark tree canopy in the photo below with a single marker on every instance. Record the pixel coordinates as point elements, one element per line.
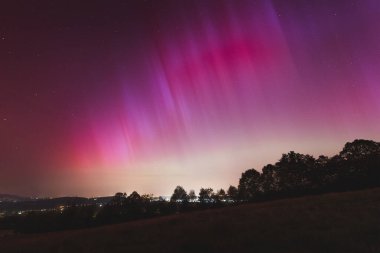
<point>205,195</point>
<point>270,179</point>
<point>249,184</point>
<point>134,198</point>
<point>232,193</point>
<point>359,149</point>
<point>118,199</point>
<point>357,166</point>
<point>192,196</point>
<point>179,195</point>
<point>219,196</point>
<point>294,171</point>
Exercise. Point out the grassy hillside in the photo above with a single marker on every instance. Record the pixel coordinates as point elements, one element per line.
<point>338,222</point>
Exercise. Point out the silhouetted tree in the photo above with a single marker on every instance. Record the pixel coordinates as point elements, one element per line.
<point>359,149</point>
<point>249,184</point>
<point>134,198</point>
<point>219,196</point>
<point>179,195</point>
<point>192,196</point>
<point>232,193</point>
<point>146,198</point>
<point>270,179</point>
<point>294,172</point>
<point>134,205</point>
<point>205,195</point>
<point>118,199</point>
<point>321,175</point>
<point>359,165</point>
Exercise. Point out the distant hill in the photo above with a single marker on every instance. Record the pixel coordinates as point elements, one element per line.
<point>12,203</point>
<point>10,197</point>
<point>337,222</point>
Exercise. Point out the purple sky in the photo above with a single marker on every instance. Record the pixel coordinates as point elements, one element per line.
<point>105,96</point>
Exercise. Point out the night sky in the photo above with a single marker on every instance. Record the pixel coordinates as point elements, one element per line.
<point>104,96</point>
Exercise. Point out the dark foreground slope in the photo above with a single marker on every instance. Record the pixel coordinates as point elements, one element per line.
<point>338,222</point>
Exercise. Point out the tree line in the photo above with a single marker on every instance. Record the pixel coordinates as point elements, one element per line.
<point>357,166</point>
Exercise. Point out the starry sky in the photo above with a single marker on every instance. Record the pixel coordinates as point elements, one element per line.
<point>104,96</point>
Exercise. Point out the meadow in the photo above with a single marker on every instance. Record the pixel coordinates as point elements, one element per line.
<point>335,222</point>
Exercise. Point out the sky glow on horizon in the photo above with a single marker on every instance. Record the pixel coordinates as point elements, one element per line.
<point>149,95</point>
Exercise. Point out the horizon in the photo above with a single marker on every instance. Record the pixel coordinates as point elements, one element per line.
<point>154,195</point>
<point>144,96</point>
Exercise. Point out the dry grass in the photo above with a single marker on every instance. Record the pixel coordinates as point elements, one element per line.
<point>340,222</point>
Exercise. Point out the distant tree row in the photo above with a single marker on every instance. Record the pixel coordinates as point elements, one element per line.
<point>206,195</point>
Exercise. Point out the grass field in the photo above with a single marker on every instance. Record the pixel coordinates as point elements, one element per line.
<point>337,222</point>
